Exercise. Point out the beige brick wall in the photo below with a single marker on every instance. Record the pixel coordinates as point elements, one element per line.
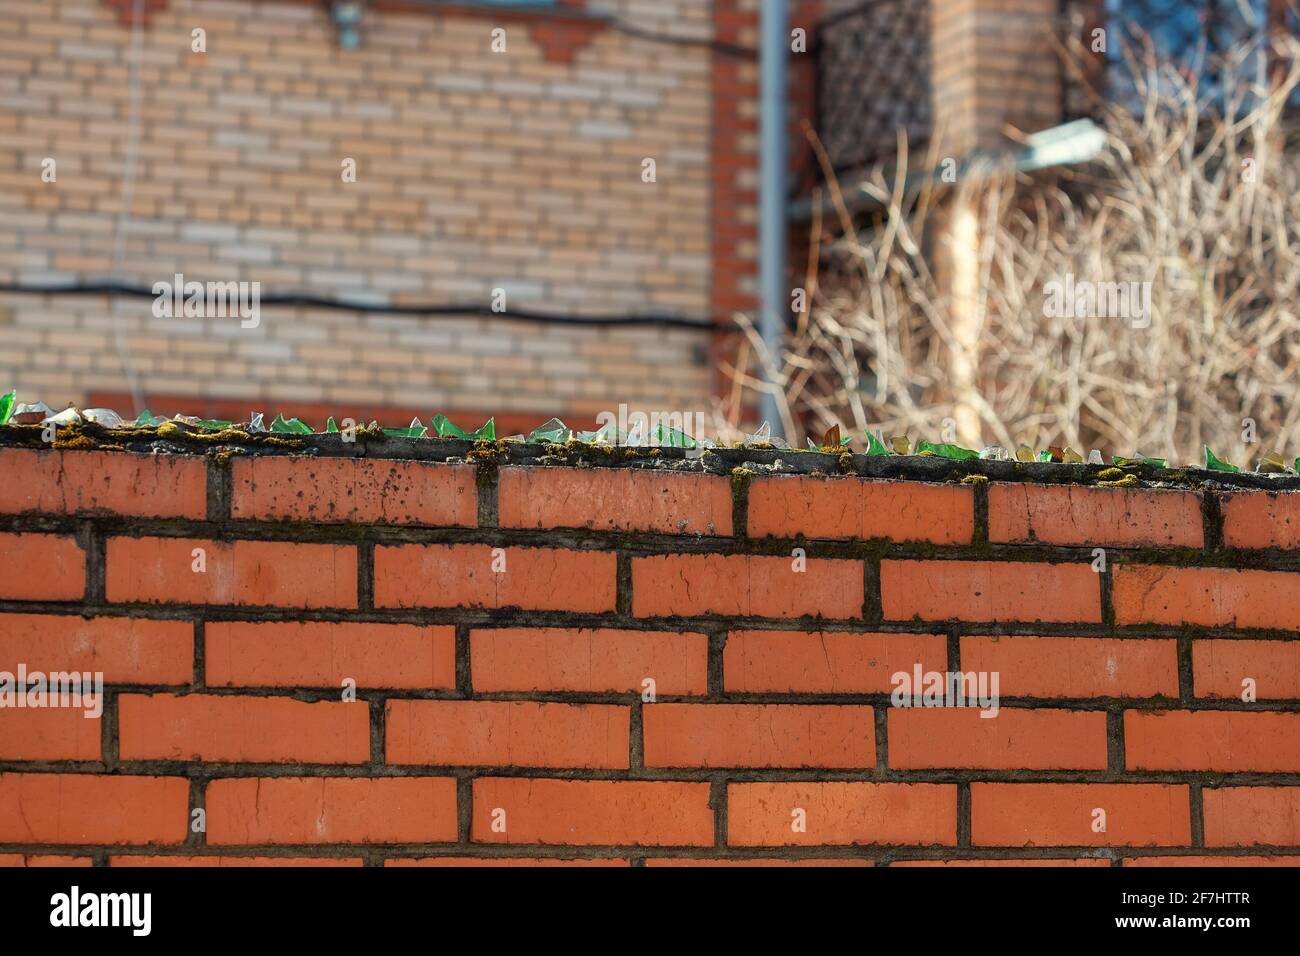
<point>995,66</point>
<point>318,361</point>
<point>475,171</point>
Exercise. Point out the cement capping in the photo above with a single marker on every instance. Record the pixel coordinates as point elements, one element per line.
<point>759,460</point>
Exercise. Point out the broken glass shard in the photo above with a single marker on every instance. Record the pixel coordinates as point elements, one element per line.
<point>102,416</point>
<point>554,432</point>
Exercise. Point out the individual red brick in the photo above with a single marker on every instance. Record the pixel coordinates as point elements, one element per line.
<point>1208,597</point>
<point>826,662</point>
<point>49,733</point>
<point>679,862</point>
<point>59,808</point>
<point>1199,861</point>
<point>248,573</point>
<point>1252,816</point>
<point>242,729</point>
<point>984,591</point>
<point>1062,814</point>
<point>353,491</point>
<point>41,567</point>
<point>746,586</point>
<point>962,864</point>
<point>498,733</point>
<point>1015,739</point>
<point>1261,519</point>
<point>615,499</point>
<point>461,575</point>
<point>595,660</point>
<point>235,861</point>
<point>1094,517</point>
<point>1075,666</point>
<point>125,650</point>
<point>1219,668</point>
<point>313,810</point>
<point>840,813</point>
<point>324,654</point>
<point>501,861</point>
<point>837,508</point>
<point>759,735</point>
<point>94,482</point>
<point>1212,740</point>
<point>42,860</point>
<point>592,812</point>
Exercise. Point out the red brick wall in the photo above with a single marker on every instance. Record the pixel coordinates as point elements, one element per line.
<point>500,715</point>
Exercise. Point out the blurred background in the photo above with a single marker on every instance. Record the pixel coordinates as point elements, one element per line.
<point>554,210</point>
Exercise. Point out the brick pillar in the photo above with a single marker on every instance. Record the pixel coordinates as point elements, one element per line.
<point>997,67</point>
<point>996,64</point>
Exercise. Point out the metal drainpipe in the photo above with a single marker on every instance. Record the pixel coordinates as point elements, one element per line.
<point>774,51</point>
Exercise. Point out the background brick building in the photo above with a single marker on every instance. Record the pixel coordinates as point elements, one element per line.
<point>476,171</point>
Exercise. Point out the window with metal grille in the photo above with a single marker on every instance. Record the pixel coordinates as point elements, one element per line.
<point>873,79</point>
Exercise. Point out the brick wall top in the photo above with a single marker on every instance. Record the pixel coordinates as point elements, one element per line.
<point>566,654</point>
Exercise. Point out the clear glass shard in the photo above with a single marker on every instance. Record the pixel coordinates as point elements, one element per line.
<point>102,416</point>
<point>69,416</point>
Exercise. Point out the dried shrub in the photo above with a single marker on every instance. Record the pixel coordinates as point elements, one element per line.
<point>1194,192</point>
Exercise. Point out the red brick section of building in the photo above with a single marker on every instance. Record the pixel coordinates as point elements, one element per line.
<point>594,660</point>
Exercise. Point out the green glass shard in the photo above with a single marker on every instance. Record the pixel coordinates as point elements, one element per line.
<point>212,424</point>
<point>875,447</point>
<point>292,426</point>
<point>947,450</point>
<point>1044,456</point>
<point>671,438</point>
<point>1141,460</point>
<point>607,434</point>
<point>7,405</point>
<point>1214,463</point>
<point>554,432</point>
<point>331,427</point>
<point>444,428</point>
<point>414,430</point>
<point>147,419</point>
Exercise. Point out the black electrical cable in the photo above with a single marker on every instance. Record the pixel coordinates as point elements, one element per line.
<point>303,300</point>
<point>446,310</point>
